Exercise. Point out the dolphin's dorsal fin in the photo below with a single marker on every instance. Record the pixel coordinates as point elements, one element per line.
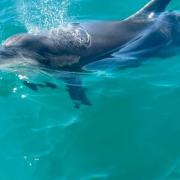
<point>154,6</point>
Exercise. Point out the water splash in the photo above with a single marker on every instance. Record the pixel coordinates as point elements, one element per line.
<point>43,14</point>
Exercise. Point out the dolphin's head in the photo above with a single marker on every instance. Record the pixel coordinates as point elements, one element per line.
<point>18,49</point>
<point>8,47</point>
<point>26,45</point>
<point>11,48</point>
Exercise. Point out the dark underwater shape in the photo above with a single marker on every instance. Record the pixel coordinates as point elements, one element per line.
<point>99,45</point>
<point>31,86</point>
<point>34,86</point>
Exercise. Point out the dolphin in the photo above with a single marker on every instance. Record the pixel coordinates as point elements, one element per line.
<point>96,45</point>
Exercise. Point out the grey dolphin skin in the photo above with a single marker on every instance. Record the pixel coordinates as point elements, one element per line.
<point>95,45</point>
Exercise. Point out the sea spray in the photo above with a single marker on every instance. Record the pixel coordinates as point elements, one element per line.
<point>42,14</point>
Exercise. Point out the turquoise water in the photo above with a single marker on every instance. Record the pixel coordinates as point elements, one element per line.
<point>132,130</point>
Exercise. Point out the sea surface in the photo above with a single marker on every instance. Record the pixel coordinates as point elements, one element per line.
<point>132,129</point>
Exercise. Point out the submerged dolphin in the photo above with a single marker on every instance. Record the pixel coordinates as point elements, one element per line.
<point>92,45</point>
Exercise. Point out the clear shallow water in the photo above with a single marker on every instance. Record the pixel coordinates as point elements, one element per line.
<point>132,130</point>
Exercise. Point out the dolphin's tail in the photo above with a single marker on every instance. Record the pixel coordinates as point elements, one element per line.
<point>154,6</point>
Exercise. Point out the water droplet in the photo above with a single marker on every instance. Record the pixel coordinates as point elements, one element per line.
<point>14,90</point>
<point>23,96</point>
<point>25,157</point>
<point>30,164</point>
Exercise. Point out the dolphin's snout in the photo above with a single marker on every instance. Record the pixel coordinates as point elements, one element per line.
<point>11,41</point>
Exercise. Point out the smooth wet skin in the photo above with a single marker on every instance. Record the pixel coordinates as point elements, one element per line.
<point>89,46</point>
<point>60,53</point>
<point>76,45</point>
